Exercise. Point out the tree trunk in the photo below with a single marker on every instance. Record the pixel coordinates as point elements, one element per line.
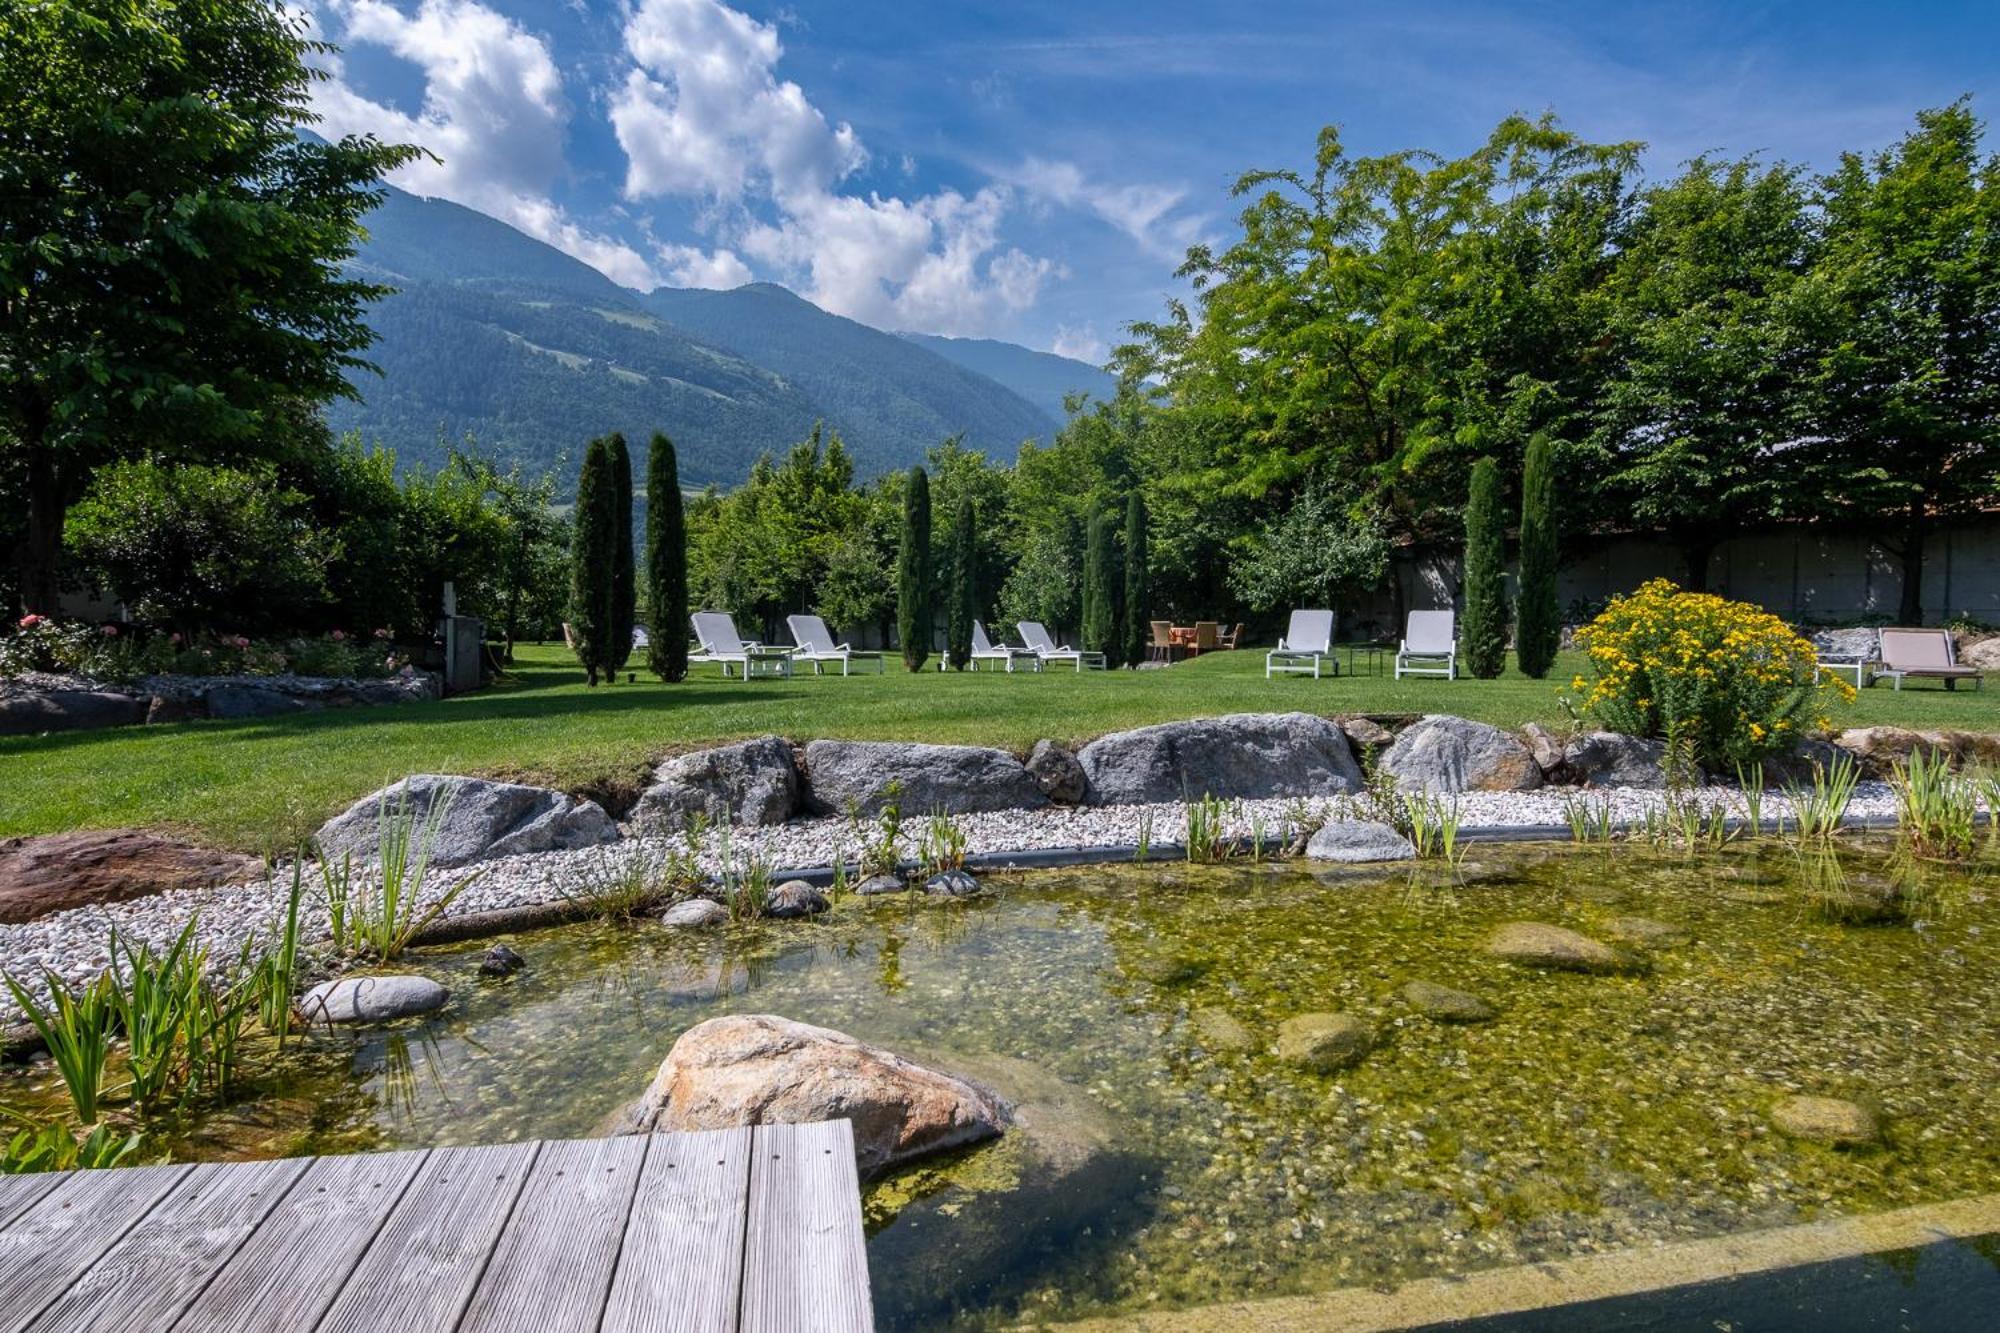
<point>1698,552</point>
<point>1916,526</point>
<point>43,544</point>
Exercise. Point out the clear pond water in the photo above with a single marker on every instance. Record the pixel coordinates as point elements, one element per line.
<point>1169,1159</point>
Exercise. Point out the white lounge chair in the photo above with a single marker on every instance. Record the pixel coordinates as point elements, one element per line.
<point>1307,645</point>
<point>816,645</point>
<point>1927,654</point>
<point>985,650</point>
<point>718,642</point>
<point>1430,646</point>
<point>1036,636</point>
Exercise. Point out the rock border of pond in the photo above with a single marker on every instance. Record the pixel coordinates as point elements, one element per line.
<point>42,703</point>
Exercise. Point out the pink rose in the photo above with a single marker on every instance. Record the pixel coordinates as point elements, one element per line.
<point>110,631</point>
<point>242,642</point>
<point>175,638</point>
<point>340,636</point>
<point>30,621</point>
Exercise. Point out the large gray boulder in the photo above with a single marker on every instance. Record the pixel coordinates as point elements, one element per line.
<point>948,779</point>
<point>750,782</point>
<point>1058,773</point>
<point>1609,759</point>
<point>481,820</point>
<point>1441,754</point>
<point>29,713</point>
<point>371,999</point>
<point>760,1069</point>
<point>248,701</point>
<point>1242,755</point>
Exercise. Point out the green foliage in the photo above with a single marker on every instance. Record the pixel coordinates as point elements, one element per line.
<point>375,913</point>
<point>1484,631</point>
<point>1100,590</point>
<point>666,563</point>
<point>184,243</point>
<point>624,585</point>
<point>50,1145</point>
<point>593,560</point>
<point>1537,613</point>
<point>1138,583</point>
<point>963,606</point>
<point>1310,555</point>
<point>202,547</point>
<point>913,572</point>
<point>76,1026</point>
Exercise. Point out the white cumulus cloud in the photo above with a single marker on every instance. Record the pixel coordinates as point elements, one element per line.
<point>1149,214</point>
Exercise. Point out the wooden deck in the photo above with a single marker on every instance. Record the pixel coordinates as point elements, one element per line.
<point>755,1229</point>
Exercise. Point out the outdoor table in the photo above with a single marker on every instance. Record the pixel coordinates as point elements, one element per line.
<point>1371,653</point>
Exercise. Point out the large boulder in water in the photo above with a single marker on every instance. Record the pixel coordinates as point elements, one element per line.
<point>948,779</point>
<point>59,871</point>
<point>759,1069</point>
<point>479,820</point>
<point>750,782</point>
<point>1556,948</point>
<point>371,999</point>
<point>1442,754</point>
<point>1240,756</point>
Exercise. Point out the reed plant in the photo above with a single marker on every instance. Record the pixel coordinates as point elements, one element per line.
<point>50,1145</point>
<point>1207,838</point>
<point>1820,804</point>
<point>882,842</point>
<point>377,913</point>
<point>154,996</point>
<point>76,1026</point>
<point>1144,849</point>
<point>1937,810</point>
<point>1750,781</point>
<point>1433,824</point>
<point>1590,818</point>
<point>941,846</point>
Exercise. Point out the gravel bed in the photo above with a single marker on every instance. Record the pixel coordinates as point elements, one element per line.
<point>75,944</point>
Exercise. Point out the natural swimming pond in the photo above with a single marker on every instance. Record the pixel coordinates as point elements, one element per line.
<point>1169,1158</point>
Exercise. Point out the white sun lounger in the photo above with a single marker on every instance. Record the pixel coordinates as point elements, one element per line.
<point>1036,636</point>
<point>816,645</point>
<point>1308,643</point>
<point>1003,655</point>
<point>1925,654</point>
<point>1430,646</point>
<point>715,634</point>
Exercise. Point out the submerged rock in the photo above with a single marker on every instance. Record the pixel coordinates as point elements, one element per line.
<point>695,914</point>
<point>1828,1120</point>
<point>750,782</point>
<point>1358,840</point>
<point>953,884</point>
<point>1446,1005</point>
<point>1324,1042</point>
<point>1443,754</point>
<point>760,1069</point>
<point>480,820</point>
<point>1647,932</point>
<point>794,898</point>
<point>875,884</point>
<point>371,999</point>
<point>1219,1031</point>
<point>1538,944</point>
<point>1242,755</point>
<point>500,961</point>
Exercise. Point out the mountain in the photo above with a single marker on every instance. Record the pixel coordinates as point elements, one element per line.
<point>877,387</point>
<point>1043,378</point>
<point>493,333</point>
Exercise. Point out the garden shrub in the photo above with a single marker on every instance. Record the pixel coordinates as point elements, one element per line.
<point>1726,679</point>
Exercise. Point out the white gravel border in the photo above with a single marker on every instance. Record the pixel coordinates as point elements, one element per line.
<point>76,944</point>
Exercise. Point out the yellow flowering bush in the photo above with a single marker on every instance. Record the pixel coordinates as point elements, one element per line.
<point>1728,679</point>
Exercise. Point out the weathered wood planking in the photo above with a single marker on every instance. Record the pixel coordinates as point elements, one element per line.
<point>552,1269</point>
<point>805,1267</point>
<point>429,1256</point>
<point>163,1262</point>
<point>55,1242</point>
<point>670,1233</point>
<point>283,1278</point>
<point>681,1270</point>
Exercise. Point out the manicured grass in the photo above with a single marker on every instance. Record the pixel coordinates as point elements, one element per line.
<point>261,785</point>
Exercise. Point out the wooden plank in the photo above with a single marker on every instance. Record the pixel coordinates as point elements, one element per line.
<point>57,1240</point>
<point>681,1269</point>
<point>551,1271</point>
<point>805,1261</point>
<point>20,1193</point>
<point>163,1262</point>
<point>285,1275</point>
<point>428,1257</point>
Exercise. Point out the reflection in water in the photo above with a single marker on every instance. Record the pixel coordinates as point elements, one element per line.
<point>1165,1155</point>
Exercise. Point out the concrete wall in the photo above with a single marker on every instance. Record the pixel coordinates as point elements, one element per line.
<point>1806,574</point>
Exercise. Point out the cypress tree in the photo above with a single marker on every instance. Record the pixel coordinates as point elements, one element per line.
<point>1100,582</point>
<point>1485,631</point>
<point>624,577</point>
<point>591,558</point>
<point>666,563</point>
<point>1537,618</point>
<point>913,572</point>
<point>964,602</point>
<point>1138,588</point>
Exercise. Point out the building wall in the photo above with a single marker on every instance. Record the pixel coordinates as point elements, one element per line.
<point>1807,574</point>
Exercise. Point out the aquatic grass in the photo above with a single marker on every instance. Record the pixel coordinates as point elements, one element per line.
<point>881,845</point>
<point>1433,824</point>
<point>76,1027</point>
<point>746,886</point>
<point>1937,810</point>
<point>153,995</point>
<point>626,888</point>
<point>941,845</point>
<point>1590,818</point>
<point>1750,781</point>
<point>1257,834</point>
<point>50,1145</point>
<point>1208,841</point>
<point>1144,849</point>
<point>378,913</point>
<point>276,977</point>
<point>1819,805</point>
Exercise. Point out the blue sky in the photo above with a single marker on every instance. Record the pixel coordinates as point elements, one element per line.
<point>1033,170</point>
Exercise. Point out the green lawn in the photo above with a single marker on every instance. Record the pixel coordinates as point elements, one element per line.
<point>259,785</point>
